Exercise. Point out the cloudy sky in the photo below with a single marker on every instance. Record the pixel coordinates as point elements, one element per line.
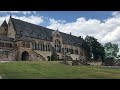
<point>103,25</point>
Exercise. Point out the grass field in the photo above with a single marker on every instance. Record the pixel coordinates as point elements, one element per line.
<point>54,70</point>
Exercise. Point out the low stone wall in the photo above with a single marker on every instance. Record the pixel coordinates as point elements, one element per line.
<point>95,63</point>
<point>7,55</point>
<point>66,62</point>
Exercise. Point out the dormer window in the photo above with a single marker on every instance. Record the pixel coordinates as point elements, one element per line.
<point>58,36</point>
<point>46,37</point>
<point>21,32</point>
<point>5,29</point>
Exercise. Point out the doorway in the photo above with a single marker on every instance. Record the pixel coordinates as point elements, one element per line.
<point>25,56</point>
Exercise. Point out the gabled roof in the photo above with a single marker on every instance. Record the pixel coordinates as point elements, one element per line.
<point>4,24</point>
<point>35,31</point>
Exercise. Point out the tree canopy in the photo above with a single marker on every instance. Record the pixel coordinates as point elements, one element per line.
<point>112,48</point>
<point>96,49</point>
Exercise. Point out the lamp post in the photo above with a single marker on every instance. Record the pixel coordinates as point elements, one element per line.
<point>64,54</point>
<point>50,54</point>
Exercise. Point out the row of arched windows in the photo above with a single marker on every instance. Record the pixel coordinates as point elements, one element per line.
<point>25,44</point>
<point>72,51</point>
<point>3,44</point>
<point>41,46</point>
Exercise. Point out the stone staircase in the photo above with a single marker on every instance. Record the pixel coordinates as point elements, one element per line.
<point>38,56</point>
<point>67,58</point>
<point>83,62</point>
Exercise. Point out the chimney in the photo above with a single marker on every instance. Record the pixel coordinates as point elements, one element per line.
<point>70,33</point>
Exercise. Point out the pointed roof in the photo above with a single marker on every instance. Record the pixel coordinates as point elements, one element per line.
<point>4,24</point>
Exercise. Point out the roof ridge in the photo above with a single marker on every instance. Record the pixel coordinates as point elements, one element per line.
<point>44,27</point>
<point>32,23</point>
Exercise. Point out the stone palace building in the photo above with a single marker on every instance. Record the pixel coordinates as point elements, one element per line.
<point>20,40</point>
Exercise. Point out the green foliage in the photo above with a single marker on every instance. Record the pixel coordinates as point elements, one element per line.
<point>112,49</point>
<point>53,57</point>
<point>96,49</point>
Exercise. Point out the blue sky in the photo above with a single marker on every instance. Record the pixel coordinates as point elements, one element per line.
<point>69,16</point>
<point>103,25</point>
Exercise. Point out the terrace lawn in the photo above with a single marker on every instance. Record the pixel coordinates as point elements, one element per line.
<point>55,70</point>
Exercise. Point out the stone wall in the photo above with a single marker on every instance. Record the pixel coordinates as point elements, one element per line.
<point>7,55</point>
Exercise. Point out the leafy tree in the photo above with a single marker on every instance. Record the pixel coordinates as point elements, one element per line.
<point>112,47</point>
<point>96,49</point>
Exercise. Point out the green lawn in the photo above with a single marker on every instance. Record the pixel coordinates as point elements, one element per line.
<point>54,70</point>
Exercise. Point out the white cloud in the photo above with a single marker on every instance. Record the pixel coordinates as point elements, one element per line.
<point>32,19</point>
<point>112,36</point>
<point>3,18</point>
<point>105,31</point>
<point>116,13</point>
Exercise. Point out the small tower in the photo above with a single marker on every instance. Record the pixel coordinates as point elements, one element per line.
<point>4,24</point>
<point>4,28</point>
<point>57,28</point>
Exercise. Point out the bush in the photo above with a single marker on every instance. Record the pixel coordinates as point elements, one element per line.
<point>109,61</point>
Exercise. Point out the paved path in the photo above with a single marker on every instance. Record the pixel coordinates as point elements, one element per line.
<point>4,61</point>
<point>111,66</point>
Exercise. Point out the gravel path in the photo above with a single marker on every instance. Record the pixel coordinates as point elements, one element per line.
<point>111,66</point>
<point>4,61</point>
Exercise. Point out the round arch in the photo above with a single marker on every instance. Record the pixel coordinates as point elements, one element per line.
<point>25,56</point>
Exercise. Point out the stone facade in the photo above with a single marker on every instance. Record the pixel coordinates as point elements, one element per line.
<point>21,40</point>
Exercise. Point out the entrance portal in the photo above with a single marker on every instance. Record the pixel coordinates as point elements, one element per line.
<point>25,56</point>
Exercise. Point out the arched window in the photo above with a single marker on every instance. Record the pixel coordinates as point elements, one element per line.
<point>76,51</point>
<point>65,49</point>
<point>27,45</point>
<point>5,44</point>
<point>33,45</point>
<point>16,45</point>
<point>48,46</point>
<point>38,46</point>
<point>10,44</point>
<point>23,44</point>
<point>71,50</point>
<point>0,44</point>
<point>57,45</point>
<point>41,46</point>
<point>57,35</point>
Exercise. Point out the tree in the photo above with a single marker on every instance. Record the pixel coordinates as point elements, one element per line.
<point>111,49</point>
<point>96,49</point>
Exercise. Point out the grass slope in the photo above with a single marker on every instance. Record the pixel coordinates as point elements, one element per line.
<point>54,70</point>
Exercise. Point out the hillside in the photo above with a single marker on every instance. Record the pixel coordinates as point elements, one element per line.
<point>54,70</point>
